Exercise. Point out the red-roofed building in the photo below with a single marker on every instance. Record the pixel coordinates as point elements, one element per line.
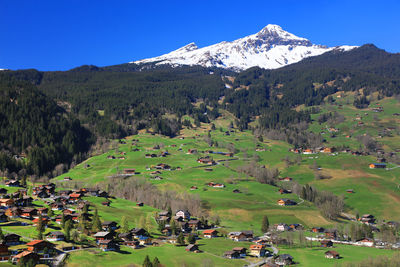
<point>210,233</point>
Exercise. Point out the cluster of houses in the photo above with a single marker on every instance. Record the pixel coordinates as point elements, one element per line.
<point>309,151</point>
<point>109,240</point>
<point>183,222</point>
<point>20,205</point>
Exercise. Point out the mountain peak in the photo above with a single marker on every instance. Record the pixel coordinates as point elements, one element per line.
<point>189,47</point>
<point>270,48</point>
<point>273,31</point>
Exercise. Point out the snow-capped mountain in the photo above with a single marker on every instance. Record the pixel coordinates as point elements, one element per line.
<point>270,48</point>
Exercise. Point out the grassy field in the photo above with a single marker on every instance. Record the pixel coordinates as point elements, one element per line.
<point>316,257</point>
<point>169,255</point>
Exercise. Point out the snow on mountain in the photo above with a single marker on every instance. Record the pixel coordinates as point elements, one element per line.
<point>270,48</point>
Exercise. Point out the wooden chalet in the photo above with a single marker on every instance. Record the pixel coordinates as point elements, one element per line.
<point>6,202</point>
<point>108,245</point>
<point>38,246</point>
<point>45,221</point>
<point>257,250</point>
<point>4,252</point>
<point>326,243</point>
<point>13,212</point>
<point>26,256</point>
<point>55,236</point>
<point>138,232</point>
<point>75,196</point>
<point>3,216</point>
<point>12,239</point>
<point>103,236</point>
<point>286,202</point>
<point>284,259</point>
<point>317,230</point>
<point>184,214</point>
<point>232,254</point>
<point>43,211</point>
<point>241,250</point>
<point>135,244</point>
<point>331,254</point>
<point>13,183</point>
<point>211,233</point>
<point>28,213</point>
<point>192,248</point>
<point>129,171</point>
<point>126,236</point>
<point>377,165</point>
<point>109,226</point>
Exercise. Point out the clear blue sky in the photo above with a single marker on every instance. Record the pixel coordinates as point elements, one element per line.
<point>59,35</point>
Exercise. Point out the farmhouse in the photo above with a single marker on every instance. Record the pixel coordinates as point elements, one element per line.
<point>27,256</point>
<point>192,248</point>
<point>331,254</point>
<point>284,259</point>
<point>38,246</point>
<point>129,171</point>
<point>55,236</point>
<point>282,227</point>
<point>326,243</point>
<point>3,217</point>
<point>4,253</point>
<point>232,254</point>
<point>257,250</point>
<point>367,219</point>
<point>7,202</point>
<point>210,233</point>
<point>103,236</point>
<point>12,239</point>
<point>286,202</point>
<point>183,213</point>
<point>377,165</point>
<point>108,245</point>
<point>109,225</point>
<point>368,242</point>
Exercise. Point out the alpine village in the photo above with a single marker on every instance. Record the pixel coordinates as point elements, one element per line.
<point>189,160</point>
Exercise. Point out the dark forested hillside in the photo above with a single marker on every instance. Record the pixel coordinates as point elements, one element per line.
<point>32,124</point>
<point>115,97</point>
<point>272,93</point>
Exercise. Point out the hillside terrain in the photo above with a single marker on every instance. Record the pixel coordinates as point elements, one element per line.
<point>189,165</point>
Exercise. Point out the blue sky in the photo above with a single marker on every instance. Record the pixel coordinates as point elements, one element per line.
<point>59,35</point>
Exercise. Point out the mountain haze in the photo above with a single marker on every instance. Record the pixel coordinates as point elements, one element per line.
<point>270,48</point>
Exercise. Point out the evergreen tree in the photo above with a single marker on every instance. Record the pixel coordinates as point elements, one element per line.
<point>50,212</point>
<point>124,225</point>
<point>40,227</point>
<point>1,235</point>
<point>96,226</point>
<point>191,239</point>
<point>62,220</point>
<point>156,262</point>
<point>265,224</point>
<point>67,230</point>
<point>74,235</point>
<point>147,262</point>
<point>173,227</point>
<point>180,239</point>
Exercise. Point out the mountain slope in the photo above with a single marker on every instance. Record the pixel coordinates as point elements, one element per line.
<point>32,124</point>
<point>270,48</point>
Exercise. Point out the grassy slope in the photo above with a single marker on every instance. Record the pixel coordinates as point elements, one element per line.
<point>376,190</point>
